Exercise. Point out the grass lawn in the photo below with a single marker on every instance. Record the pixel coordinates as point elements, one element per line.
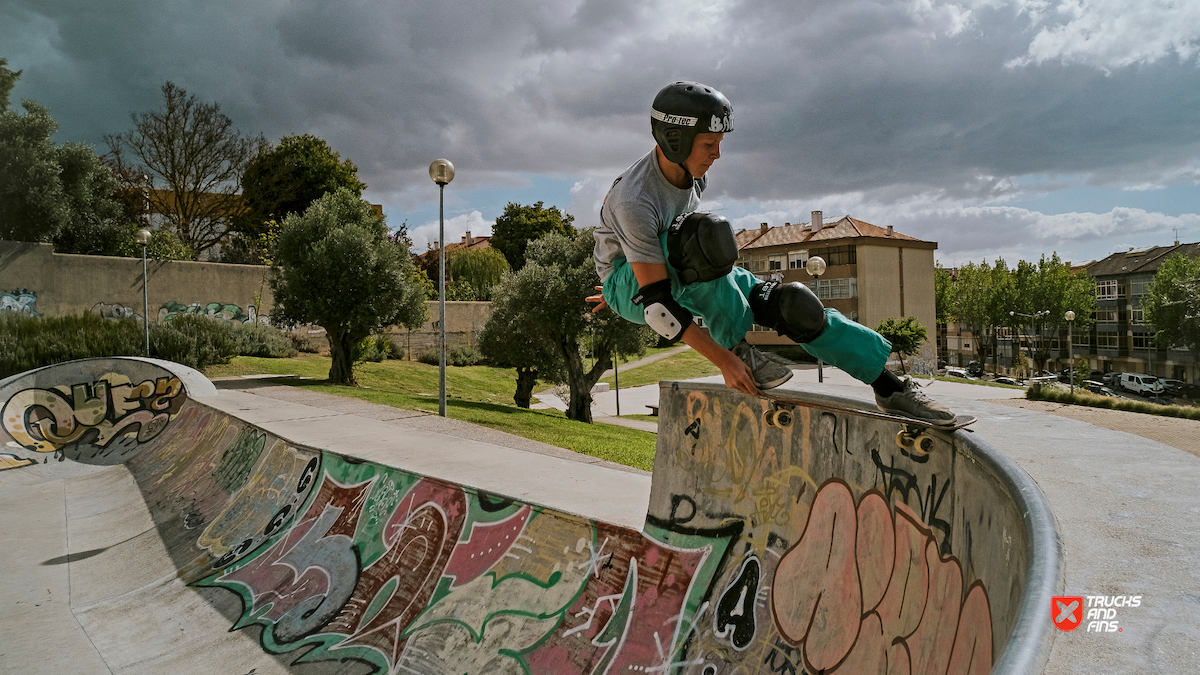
<point>682,366</point>
<point>477,394</point>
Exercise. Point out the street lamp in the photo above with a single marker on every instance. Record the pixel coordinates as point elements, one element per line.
<point>442,172</point>
<point>1071,350</point>
<point>816,267</point>
<point>143,238</point>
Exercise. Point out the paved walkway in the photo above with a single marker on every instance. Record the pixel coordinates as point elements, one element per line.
<point>1173,431</point>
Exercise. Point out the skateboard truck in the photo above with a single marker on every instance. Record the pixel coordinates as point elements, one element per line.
<point>914,436</point>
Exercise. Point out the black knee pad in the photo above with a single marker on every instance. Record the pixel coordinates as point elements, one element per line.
<point>792,309</point>
<point>701,247</point>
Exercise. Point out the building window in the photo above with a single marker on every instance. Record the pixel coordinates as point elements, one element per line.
<point>1137,316</point>
<point>1143,342</point>
<point>1107,315</point>
<point>837,255</point>
<point>1139,285</point>
<point>1081,339</point>
<point>1108,340</point>
<point>835,289</point>
<point>775,262</point>
<point>797,260</point>
<point>1106,290</point>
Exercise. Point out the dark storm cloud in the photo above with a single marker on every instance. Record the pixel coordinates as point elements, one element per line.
<point>919,110</point>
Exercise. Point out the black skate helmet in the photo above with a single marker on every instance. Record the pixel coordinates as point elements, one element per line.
<point>684,109</point>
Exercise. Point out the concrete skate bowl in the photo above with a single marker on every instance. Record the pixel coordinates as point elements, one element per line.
<point>149,532</point>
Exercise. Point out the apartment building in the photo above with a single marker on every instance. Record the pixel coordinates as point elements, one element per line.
<point>872,272</point>
<point>1120,340</point>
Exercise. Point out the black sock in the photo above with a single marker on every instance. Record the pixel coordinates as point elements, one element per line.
<point>887,384</point>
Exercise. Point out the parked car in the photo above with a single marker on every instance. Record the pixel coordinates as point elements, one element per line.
<point>1007,380</point>
<point>1099,388</point>
<point>975,369</point>
<point>1146,385</point>
<point>958,372</point>
<point>1110,378</point>
<point>1172,387</point>
<point>1189,390</point>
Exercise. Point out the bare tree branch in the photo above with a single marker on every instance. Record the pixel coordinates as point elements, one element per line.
<point>197,156</point>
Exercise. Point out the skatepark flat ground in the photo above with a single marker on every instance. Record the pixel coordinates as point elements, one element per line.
<point>1128,508</point>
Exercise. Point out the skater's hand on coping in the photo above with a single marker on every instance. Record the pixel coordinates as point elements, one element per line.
<point>597,298</point>
<point>738,375</point>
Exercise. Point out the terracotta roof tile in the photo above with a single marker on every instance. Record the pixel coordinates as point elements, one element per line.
<point>842,228</point>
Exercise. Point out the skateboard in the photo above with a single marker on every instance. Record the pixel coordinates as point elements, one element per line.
<point>913,437</point>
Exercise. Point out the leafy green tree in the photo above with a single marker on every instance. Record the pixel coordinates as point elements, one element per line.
<point>943,294</point>
<point>335,267</point>
<point>970,300</point>
<point>1172,304</point>
<point>541,319</point>
<point>8,79</point>
<point>59,194</point>
<point>906,335</point>
<point>519,225</point>
<point>193,149</point>
<point>479,268</point>
<point>284,179</point>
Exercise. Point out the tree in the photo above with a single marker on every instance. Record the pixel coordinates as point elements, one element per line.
<point>906,335</point>
<point>198,156</point>
<point>971,297</point>
<point>1172,304</point>
<point>540,318</point>
<point>519,225</point>
<point>334,267</point>
<point>8,79</point>
<point>284,179</point>
<point>479,268</point>
<point>60,194</point>
<point>943,294</point>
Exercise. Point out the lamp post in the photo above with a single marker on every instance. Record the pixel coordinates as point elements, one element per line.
<point>143,238</point>
<point>1070,316</point>
<point>442,172</point>
<point>816,267</point>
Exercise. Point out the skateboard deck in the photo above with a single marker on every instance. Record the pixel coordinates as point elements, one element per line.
<point>914,436</point>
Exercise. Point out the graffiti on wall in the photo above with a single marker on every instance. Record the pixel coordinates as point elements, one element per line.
<point>224,312</point>
<point>20,300</point>
<point>834,575</point>
<point>414,575</point>
<point>99,421</point>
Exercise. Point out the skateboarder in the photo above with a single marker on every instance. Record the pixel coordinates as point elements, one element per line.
<point>661,263</point>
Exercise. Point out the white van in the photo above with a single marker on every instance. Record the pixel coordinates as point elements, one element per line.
<point>1140,384</point>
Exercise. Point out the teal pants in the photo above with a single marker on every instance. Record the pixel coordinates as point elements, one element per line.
<point>724,306</point>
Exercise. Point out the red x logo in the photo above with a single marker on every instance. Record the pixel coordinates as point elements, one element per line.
<point>1066,611</point>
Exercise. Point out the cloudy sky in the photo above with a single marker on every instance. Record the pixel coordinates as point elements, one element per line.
<point>993,127</point>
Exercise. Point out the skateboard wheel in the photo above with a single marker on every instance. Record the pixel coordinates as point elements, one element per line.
<point>904,440</point>
<point>924,445</point>
<point>782,418</point>
<point>768,418</point>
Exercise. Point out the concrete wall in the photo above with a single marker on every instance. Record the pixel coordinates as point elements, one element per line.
<point>55,284</point>
<point>34,279</point>
<point>815,546</point>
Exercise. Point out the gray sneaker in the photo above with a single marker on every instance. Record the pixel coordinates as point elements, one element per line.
<point>912,402</point>
<point>767,373</point>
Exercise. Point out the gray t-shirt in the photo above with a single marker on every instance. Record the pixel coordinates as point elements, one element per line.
<point>639,207</point>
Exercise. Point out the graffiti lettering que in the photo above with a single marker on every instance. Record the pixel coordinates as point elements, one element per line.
<point>46,420</point>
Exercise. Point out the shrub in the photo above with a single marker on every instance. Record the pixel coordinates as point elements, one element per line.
<point>463,356</point>
<point>194,341</point>
<point>1087,398</point>
<point>429,357</point>
<point>303,342</point>
<point>28,342</point>
<point>256,339</point>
